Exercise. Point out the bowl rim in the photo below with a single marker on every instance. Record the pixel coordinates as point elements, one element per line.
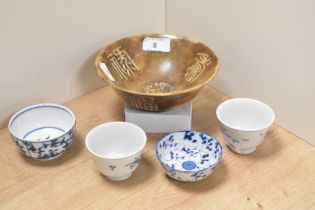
<point>191,171</point>
<point>160,35</point>
<point>140,150</point>
<point>34,106</point>
<point>231,100</point>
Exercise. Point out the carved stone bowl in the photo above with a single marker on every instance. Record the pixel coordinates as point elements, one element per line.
<point>155,72</point>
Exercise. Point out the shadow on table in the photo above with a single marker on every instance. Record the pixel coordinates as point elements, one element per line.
<point>218,176</point>
<point>142,174</point>
<point>74,149</point>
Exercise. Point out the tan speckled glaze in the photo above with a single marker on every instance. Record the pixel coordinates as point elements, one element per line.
<point>143,78</point>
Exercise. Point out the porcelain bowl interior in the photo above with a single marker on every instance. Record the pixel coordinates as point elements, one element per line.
<point>245,114</point>
<point>188,155</point>
<point>153,79</point>
<point>115,140</point>
<point>116,148</point>
<point>43,131</point>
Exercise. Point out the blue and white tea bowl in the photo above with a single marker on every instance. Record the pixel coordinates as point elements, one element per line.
<point>116,148</point>
<point>43,131</point>
<point>244,123</point>
<point>188,155</point>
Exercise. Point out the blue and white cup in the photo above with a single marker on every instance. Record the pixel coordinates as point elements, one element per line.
<point>43,131</point>
<point>116,148</point>
<point>244,123</point>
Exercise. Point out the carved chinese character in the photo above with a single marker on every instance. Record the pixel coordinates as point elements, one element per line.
<point>195,70</point>
<point>143,102</point>
<point>122,63</point>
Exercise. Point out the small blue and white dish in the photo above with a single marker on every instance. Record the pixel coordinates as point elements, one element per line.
<point>43,131</point>
<point>188,155</point>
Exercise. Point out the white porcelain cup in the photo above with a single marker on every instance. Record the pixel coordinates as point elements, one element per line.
<point>116,148</point>
<point>244,123</point>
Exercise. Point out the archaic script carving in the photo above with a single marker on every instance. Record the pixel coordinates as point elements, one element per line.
<point>146,103</point>
<point>159,87</point>
<point>194,71</point>
<point>122,63</point>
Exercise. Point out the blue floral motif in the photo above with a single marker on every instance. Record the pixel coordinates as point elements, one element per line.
<point>232,146</point>
<point>190,160</point>
<point>133,163</point>
<point>199,174</point>
<point>171,139</point>
<point>188,135</point>
<point>178,156</point>
<point>112,167</point>
<point>20,145</point>
<point>235,141</point>
<point>203,136</point>
<point>172,174</point>
<point>45,149</point>
<point>172,155</point>
<point>203,161</point>
<point>205,156</point>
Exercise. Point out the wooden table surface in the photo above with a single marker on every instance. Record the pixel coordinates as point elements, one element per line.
<point>279,175</point>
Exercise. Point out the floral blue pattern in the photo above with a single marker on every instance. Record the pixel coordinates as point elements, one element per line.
<point>47,148</point>
<point>188,155</point>
<point>134,163</point>
<point>112,167</point>
<point>131,166</point>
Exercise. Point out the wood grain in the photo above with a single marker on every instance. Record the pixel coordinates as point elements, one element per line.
<point>279,175</point>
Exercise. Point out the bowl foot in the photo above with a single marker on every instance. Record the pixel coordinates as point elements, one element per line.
<point>119,178</point>
<point>242,151</point>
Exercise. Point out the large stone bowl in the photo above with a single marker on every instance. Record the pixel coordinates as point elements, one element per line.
<point>155,72</point>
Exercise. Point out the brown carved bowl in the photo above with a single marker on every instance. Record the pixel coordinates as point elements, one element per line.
<point>155,72</point>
